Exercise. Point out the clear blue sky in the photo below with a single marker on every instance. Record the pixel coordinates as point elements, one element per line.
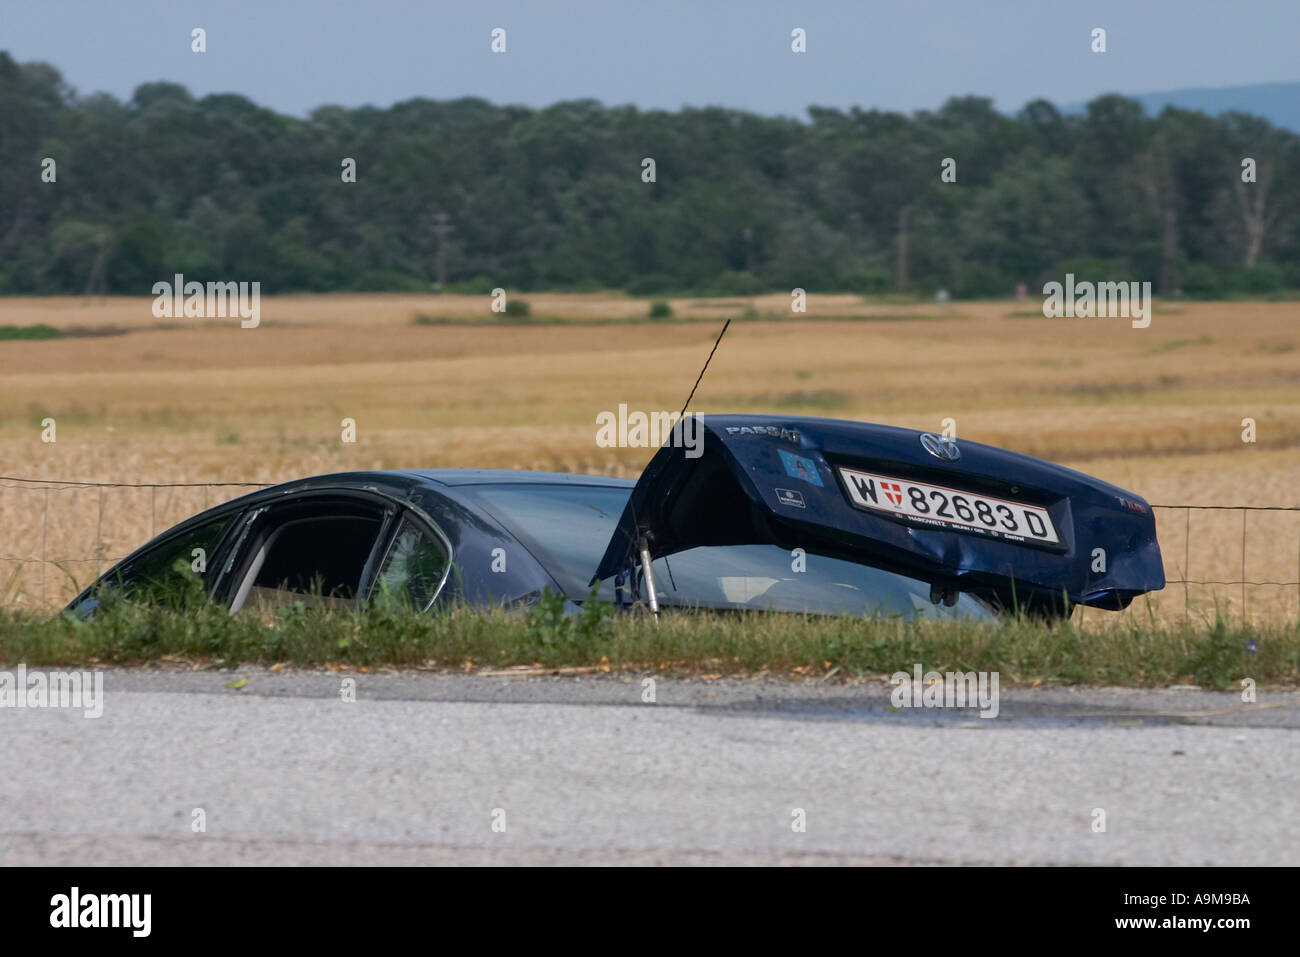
<point>293,55</point>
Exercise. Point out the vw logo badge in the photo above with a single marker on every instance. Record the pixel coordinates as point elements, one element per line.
<point>940,446</point>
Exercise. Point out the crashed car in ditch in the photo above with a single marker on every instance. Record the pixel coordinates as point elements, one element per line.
<point>800,515</point>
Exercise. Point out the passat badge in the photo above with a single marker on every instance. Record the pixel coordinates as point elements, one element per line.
<point>940,446</point>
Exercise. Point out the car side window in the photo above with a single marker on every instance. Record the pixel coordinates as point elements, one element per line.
<point>174,571</point>
<point>312,553</point>
<point>412,571</point>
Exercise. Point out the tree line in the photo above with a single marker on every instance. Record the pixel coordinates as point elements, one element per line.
<point>104,196</point>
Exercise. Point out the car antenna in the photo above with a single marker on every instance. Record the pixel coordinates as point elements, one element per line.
<point>643,542</point>
<point>705,369</point>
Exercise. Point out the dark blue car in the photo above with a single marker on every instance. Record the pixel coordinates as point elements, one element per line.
<point>787,514</point>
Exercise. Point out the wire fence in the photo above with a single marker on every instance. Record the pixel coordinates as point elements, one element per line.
<point>53,533</point>
<point>1243,582</point>
<point>58,525</point>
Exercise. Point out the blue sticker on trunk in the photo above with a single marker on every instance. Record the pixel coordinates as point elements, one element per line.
<point>799,467</point>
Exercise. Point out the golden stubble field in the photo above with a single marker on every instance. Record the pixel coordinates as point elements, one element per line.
<point>1157,410</point>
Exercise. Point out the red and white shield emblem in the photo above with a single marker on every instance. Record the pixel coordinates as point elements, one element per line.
<point>894,492</point>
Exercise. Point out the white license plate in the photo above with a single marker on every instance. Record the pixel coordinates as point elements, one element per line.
<point>950,508</point>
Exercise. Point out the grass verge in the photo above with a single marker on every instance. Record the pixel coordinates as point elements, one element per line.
<point>1023,652</point>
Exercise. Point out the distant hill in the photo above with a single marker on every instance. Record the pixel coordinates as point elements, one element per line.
<point>1279,103</point>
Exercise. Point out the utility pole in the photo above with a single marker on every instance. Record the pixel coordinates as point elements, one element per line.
<point>96,284</point>
<point>441,230</point>
<point>900,263</point>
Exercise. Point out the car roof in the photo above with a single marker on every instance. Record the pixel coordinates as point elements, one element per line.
<point>516,476</point>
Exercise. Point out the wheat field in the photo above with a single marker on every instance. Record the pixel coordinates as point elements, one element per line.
<point>139,400</point>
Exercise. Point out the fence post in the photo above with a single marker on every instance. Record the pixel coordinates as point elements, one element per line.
<point>99,535</point>
<point>1243,568</point>
<point>45,535</point>
<point>1187,561</point>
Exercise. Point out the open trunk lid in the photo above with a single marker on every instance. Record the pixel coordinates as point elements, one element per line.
<point>965,517</point>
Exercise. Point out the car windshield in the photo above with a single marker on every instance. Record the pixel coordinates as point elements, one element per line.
<point>567,528</point>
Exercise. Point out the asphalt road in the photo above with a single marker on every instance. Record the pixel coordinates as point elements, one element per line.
<point>580,770</point>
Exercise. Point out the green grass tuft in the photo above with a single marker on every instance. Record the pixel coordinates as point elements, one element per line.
<point>38,331</point>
